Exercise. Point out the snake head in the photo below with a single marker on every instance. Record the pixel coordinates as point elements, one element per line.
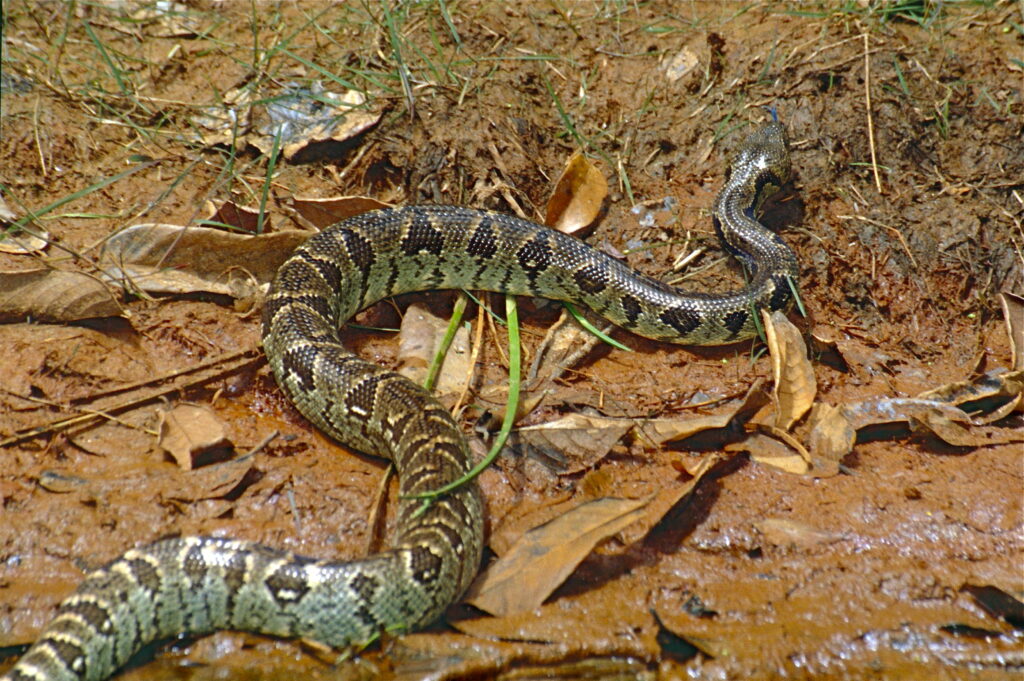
<point>762,165</point>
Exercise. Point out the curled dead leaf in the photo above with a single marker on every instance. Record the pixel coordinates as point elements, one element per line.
<point>312,124</point>
<point>682,63</point>
<point>1013,317</point>
<point>54,296</point>
<point>832,437</point>
<point>767,450</point>
<point>565,344</point>
<point>945,421</point>
<point>242,218</point>
<point>583,440</point>
<point>325,212</point>
<point>663,431</point>
<point>578,197</point>
<point>189,433</point>
<point>978,395</point>
<point>795,387</point>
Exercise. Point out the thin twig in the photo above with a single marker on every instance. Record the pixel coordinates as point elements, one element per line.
<point>66,422</point>
<point>871,124</point>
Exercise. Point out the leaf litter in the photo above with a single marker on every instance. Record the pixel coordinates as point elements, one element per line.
<point>842,426</point>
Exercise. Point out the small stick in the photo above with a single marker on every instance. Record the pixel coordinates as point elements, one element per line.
<point>871,125</point>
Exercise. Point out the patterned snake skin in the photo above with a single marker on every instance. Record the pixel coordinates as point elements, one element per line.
<point>199,585</point>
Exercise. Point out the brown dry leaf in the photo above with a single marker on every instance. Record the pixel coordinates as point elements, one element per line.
<point>993,387</point>
<point>652,432</point>
<point>766,450</point>
<point>418,339</point>
<point>583,440</point>
<point>322,213</point>
<point>54,296</point>
<point>1013,315</point>
<point>944,420</point>
<point>795,387</point>
<point>950,431</point>
<point>189,431</point>
<point>831,438</point>
<point>542,559</point>
<point>244,219</point>
<point>173,259</point>
<point>578,196</point>
<point>662,431</point>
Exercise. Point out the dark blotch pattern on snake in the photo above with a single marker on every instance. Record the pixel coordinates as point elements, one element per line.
<point>203,584</point>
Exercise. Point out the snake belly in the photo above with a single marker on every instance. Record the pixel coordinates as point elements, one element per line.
<point>203,584</point>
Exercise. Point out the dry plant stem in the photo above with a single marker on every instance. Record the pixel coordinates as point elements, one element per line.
<point>871,124</point>
<point>473,359</point>
<point>230,357</point>
<point>67,422</point>
<point>375,535</point>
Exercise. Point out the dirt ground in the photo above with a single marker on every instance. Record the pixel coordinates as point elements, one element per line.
<point>905,209</point>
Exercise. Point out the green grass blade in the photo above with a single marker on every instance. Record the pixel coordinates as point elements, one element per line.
<point>585,323</point>
<point>511,407</point>
<point>449,335</point>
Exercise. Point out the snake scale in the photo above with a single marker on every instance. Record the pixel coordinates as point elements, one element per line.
<point>202,584</point>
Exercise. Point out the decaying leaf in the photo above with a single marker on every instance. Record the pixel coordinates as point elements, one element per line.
<point>307,123</point>
<point>664,431</point>
<point>772,452</point>
<point>578,196</point>
<point>832,437</point>
<point>172,259</point>
<point>225,479</point>
<point>996,385</point>
<point>542,559</point>
<point>1013,316</point>
<point>955,433</point>
<point>420,335</point>
<point>321,213</point>
<point>583,440</point>
<point>242,218</point>
<point>189,431</point>
<point>943,420</point>
<point>795,387</point>
<point>54,296</point>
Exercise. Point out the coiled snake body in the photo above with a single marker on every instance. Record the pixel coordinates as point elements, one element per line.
<point>204,584</point>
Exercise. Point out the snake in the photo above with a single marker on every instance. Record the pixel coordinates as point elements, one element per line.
<point>198,585</point>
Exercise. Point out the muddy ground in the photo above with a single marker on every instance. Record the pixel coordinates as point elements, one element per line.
<point>905,210</point>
